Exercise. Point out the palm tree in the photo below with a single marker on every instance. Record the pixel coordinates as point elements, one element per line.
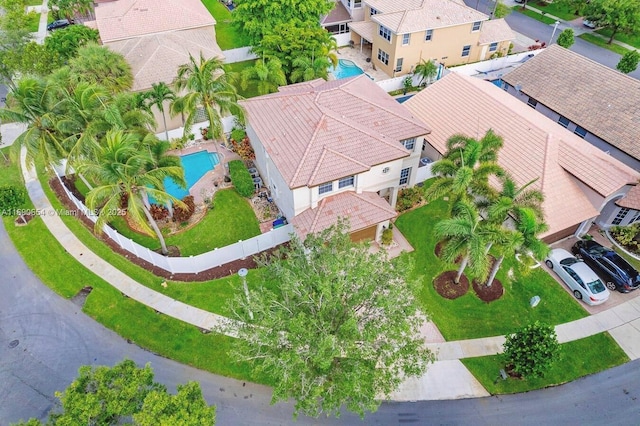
<point>426,70</point>
<point>31,103</point>
<point>123,170</point>
<point>266,75</point>
<point>465,169</point>
<point>307,69</point>
<point>158,95</point>
<point>100,65</point>
<point>207,87</point>
<point>465,236</point>
<point>512,198</point>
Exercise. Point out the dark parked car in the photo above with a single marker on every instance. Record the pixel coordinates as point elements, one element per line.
<point>60,23</point>
<point>616,272</point>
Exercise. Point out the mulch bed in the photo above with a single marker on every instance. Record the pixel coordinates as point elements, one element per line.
<point>488,294</point>
<point>210,274</point>
<point>446,287</point>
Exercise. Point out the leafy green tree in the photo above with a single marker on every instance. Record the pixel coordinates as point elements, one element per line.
<point>100,65</point>
<point>532,350</point>
<point>629,62</point>
<point>71,8</point>
<point>65,42</point>
<point>11,199</point>
<point>501,10</point>
<point>426,70</point>
<point>614,15</point>
<point>266,75</point>
<point>37,60</point>
<point>207,87</point>
<point>14,36</point>
<point>256,18</point>
<point>464,235</point>
<point>187,408</point>
<point>565,38</point>
<point>157,96</point>
<point>341,328</point>
<point>122,172</point>
<point>577,5</point>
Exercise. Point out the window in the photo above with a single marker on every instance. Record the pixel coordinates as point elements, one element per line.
<point>404,176</point>
<point>383,57</point>
<point>622,213</point>
<point>325,187</point>
<point>409,143</point>
<point>384,32</point>
<point>345,182</point>
<point>428,36</point>
<point>357,4</point>
<point>563,121</point>
<point>399,62</point>
<point>493,47</point>
<point>476,26</point>
<point>532,102</point>
<point>373,12</point>
<point>405,39</point>
<point>338,28</point>
<point>580,131</point>
<point>635,218</point>
<point>465,50</point>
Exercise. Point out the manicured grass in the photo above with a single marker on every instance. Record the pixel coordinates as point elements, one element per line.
<point>232,219</point>
<point>599,41</point>
<point>563,12</point>
<point>237,67</point>
<point>631,39</point>
<point>534,15</point>
<point>579,358</point>
<point>226,35</point>
<point>32,2</point>
<point>468,317</point>
<point>33,22</point>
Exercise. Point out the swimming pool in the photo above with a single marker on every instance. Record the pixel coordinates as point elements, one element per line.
<point>195,166</point>
<point>402,99</point>
<point>345,69</point>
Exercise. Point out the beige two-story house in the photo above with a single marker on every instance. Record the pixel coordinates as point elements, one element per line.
<point>337,149</point>
<point>403,33</point>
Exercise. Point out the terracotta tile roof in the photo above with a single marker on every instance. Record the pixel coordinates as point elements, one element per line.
<point>534,146</point>
<point>409,16</point>
<point>495,30</point>
<point>155,58</point>
<point>320,131</point>
<point>631,200</point>
<point>366,29</point>
<point>337,15</point>
<point>125,19</point>
<point>598,98</point>
<point>363,210</point>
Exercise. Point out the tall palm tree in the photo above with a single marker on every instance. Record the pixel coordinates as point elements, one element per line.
<point>267,75</point>
<point>207,87</point>
<point>512,198</point>
<point>465,236</point>
<point>100,65</point>
<point>122,171</point>
<point>464,170</point>
<point>306,68</point>
<point>157,96</point>
<point>426,70</point>
<point>31,102</point>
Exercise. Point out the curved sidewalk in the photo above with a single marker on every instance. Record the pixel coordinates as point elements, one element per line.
<point>447,378</point>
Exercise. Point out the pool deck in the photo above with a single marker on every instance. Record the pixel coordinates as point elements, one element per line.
<point>213,179</point>
<point>354,55</point>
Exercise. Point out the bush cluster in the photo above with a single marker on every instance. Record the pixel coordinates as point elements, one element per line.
<point>627,236</point>
<point>241,179</point>
<point>408,198</point>
<point>158,212</point>
<point>181,214</point>
<point>532,350</point>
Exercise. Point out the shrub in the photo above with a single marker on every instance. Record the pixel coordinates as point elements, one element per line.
<point>532,350</point>
<point>408,197</point>
<point>238,134</point>
<point>241,179</point>
<point>158,212</point>
<point>243,148</point>
<point>387,236</point>
<point>181,214</point>
<point>626,235</point>
<point>11,199</point>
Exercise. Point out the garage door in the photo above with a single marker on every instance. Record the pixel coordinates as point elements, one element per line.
<point>560,234</point>
<point>364,234</point>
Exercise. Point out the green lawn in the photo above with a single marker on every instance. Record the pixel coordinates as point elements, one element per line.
<point>468,317</point>
<point>237,67</point>
<point>32,2</point>
<point>33,22</point>
<point>599,41</point>
<point>563,12</point>
<point>579,358</point>
<point>226,35</point>
<point>232,219</point>
<point>534,15</point>
<point>631,39</point>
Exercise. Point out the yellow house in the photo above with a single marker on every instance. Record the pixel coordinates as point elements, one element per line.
<point>402,33</point>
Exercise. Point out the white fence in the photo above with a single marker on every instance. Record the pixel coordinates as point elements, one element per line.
<point>342,39</point>
<point>238,55</point>
<point>493,65</point>
<point>192,264</point>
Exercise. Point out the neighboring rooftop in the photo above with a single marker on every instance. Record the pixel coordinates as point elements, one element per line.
<point>602,100</point>
<point>337,15</point>
<point>534,146</point>
<point>123,19</point>
<point>495,30</point>
<point>318,131</point>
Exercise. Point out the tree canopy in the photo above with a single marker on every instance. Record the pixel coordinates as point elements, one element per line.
<point>566,38</point>
<point>615,15</point>
<point>629,62</point>
<point>340,328</point>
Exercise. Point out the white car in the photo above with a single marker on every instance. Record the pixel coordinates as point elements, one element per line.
<point>588,24</point>
<point>584,283</point>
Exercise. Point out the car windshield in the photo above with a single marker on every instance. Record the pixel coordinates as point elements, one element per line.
<point>569,261</point>
<point>596,286</point>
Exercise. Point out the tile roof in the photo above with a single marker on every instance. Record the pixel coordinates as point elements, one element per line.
<point>337,15</point>
<point>154,58</point>
<point>631,200</point>
<point>409,16</point>
<point>363,210</point>
<point>534,146</point>
<point>366,29</point>
<point>495,30</point>
<point>598,98</point>
<point>123,19</point>
<point>319,131</point>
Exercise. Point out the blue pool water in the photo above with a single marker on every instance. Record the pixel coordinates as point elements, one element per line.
<point>346,69</point>
<point>401,99</point>
<point>195,166</point>
<point>497,82</point>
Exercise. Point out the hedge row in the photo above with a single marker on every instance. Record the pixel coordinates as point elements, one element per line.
<point>241,178</point>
